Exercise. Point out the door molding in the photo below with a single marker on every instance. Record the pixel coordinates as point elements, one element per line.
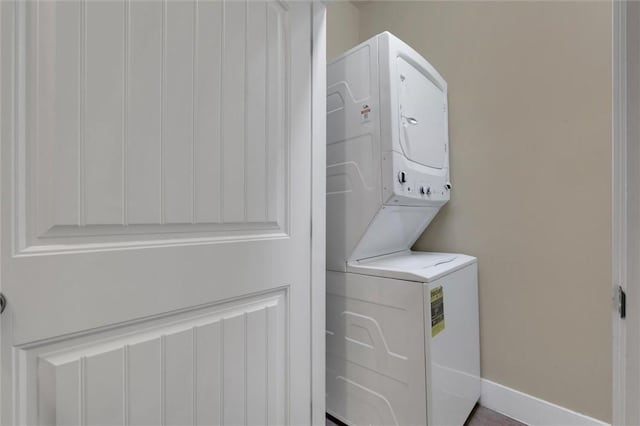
<point>618,229</point>
<point>624,220</point>
<point>318,200</point>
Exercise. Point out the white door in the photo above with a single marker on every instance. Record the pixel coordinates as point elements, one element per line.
<point>155,175</point>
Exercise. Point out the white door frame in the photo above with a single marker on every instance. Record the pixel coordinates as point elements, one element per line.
<point>625,212</point>
<point>318,200</point>
<point>618,229</point>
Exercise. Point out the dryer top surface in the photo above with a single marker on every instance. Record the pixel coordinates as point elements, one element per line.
<point>412,265</point>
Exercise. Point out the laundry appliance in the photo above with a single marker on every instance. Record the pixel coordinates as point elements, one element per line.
<point>402,326</point>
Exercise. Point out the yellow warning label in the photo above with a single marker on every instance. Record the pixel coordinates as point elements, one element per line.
<point>437,311</point>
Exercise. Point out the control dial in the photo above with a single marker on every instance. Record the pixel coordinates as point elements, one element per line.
<point>402,177</point>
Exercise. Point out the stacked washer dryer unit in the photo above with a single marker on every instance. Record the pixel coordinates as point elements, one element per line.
<point>402,326</point>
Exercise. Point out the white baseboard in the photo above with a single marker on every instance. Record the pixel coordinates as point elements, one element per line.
<point>529,409</point>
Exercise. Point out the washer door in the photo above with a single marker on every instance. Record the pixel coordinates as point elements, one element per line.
<point>423,131</point>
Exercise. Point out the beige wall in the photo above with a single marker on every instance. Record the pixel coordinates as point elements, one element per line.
<point>343,27</point>
<point>529,96</point>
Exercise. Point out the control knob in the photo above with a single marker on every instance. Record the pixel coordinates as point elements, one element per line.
<point>425,191</point>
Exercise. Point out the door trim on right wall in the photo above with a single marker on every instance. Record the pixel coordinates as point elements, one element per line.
<point>625,213</point>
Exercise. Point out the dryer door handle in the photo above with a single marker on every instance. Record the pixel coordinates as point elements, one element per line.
<point>410,120</point>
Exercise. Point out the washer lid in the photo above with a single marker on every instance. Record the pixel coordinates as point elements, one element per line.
<point>411,265</point>
<point>423,124</point>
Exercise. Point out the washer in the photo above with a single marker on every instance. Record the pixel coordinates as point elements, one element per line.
<point>402,326</point>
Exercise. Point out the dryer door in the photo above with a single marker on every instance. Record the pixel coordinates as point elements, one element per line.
<point>423,117</point>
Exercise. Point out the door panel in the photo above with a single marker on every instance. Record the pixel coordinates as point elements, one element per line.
<point>152,120</point>
<point>195,366</point>
<point>156,174</point>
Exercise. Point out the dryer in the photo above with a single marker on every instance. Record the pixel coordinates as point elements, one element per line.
<point>402,326</point>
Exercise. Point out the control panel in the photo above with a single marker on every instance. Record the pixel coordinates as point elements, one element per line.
<point>413,183</point>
